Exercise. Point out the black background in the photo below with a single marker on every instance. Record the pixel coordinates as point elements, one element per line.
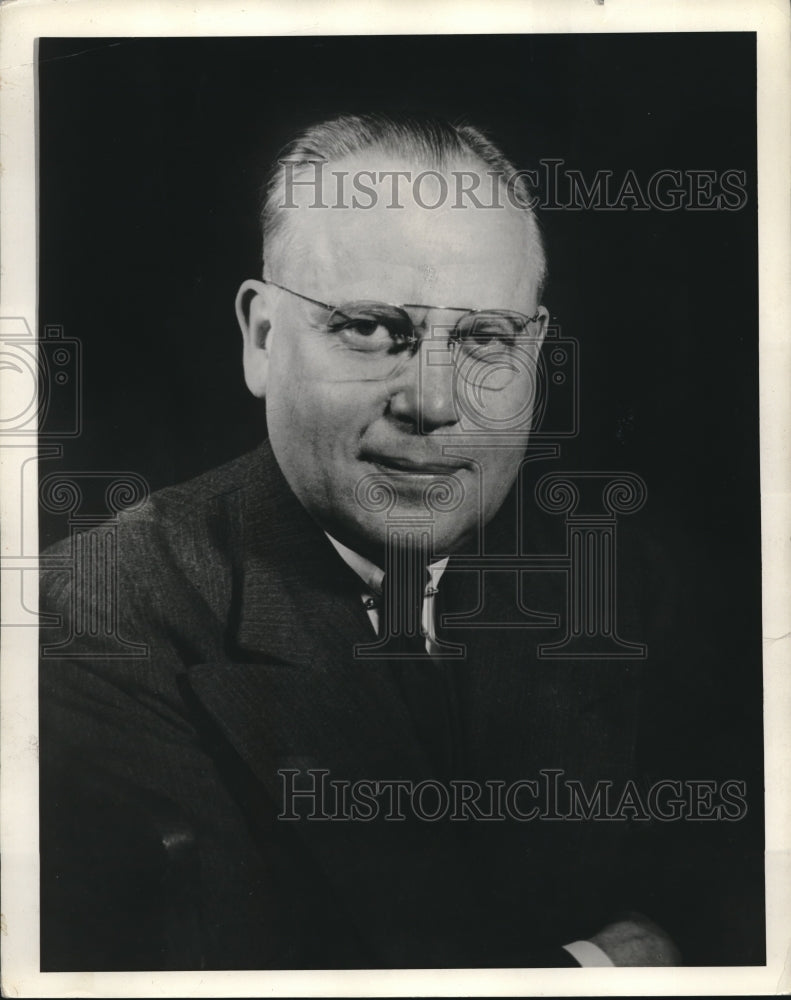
<point>152,153</point>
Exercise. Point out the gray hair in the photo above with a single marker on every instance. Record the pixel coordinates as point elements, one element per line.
<point>432,143</point>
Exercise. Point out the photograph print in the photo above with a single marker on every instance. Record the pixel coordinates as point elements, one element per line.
<point>399,502</point>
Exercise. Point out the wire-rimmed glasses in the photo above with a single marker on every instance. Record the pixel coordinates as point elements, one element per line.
<point>489,346</point>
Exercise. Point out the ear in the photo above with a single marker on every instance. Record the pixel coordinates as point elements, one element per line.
<point>542,324</point>
<point>252,314</point>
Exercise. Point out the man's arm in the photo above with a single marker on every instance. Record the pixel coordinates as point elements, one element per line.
<point>636,941</point>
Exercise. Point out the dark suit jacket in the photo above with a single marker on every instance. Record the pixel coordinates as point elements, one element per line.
<point>161,843</point>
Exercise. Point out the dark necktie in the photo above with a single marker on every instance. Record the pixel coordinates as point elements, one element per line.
<point>420,680</point>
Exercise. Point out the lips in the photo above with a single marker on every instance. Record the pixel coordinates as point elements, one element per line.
<point>428,467</point>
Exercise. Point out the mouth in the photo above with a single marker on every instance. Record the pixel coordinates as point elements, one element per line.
<point>411,466</point>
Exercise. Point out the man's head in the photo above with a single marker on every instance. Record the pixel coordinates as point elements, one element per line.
<point>429,407</point>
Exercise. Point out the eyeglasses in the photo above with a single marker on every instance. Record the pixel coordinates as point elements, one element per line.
<point>379,338</point>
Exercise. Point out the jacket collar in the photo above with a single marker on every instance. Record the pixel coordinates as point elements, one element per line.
<point>293,584</point>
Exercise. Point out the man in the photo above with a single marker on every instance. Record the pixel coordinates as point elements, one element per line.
<point>186,818</point>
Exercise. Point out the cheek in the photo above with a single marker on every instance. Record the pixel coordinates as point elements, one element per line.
<point>311,413</point>
<point>291,386</point>
<point>500,401</point>
<point>500,469</point>
<point>519,397</point>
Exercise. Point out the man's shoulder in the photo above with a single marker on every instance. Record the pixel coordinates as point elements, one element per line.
<point>166,575</point>
<point>197,526</point>
<point>187,535</point>
<point>198,498</point>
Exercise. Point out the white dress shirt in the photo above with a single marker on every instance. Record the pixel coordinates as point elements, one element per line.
<point>371,594</point>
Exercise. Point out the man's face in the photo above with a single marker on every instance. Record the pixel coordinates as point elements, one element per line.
<point>362,437</point>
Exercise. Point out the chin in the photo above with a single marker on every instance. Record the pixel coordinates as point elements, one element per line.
<point>370,536</point>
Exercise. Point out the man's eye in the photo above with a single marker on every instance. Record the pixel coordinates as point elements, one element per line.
<point>370,331</point>
<point>366,328</point>
<point>486,332</point>
<point>363,334</point>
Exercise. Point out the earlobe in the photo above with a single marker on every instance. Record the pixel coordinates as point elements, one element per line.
<point>252,316</point>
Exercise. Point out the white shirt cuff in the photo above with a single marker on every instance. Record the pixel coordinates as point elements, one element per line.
<point>588,954</point>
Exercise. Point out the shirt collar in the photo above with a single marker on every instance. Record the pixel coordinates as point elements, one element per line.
<point>372,575</point>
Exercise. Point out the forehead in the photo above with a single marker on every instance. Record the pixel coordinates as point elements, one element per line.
<point>386,228</point>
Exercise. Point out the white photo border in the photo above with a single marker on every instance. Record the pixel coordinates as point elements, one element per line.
<point>21,23</point>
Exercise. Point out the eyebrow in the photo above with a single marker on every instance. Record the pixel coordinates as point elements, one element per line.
<point>383,302</point>
<point>421,305</point>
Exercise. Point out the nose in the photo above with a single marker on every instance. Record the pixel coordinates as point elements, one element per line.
<point>423,391</point>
